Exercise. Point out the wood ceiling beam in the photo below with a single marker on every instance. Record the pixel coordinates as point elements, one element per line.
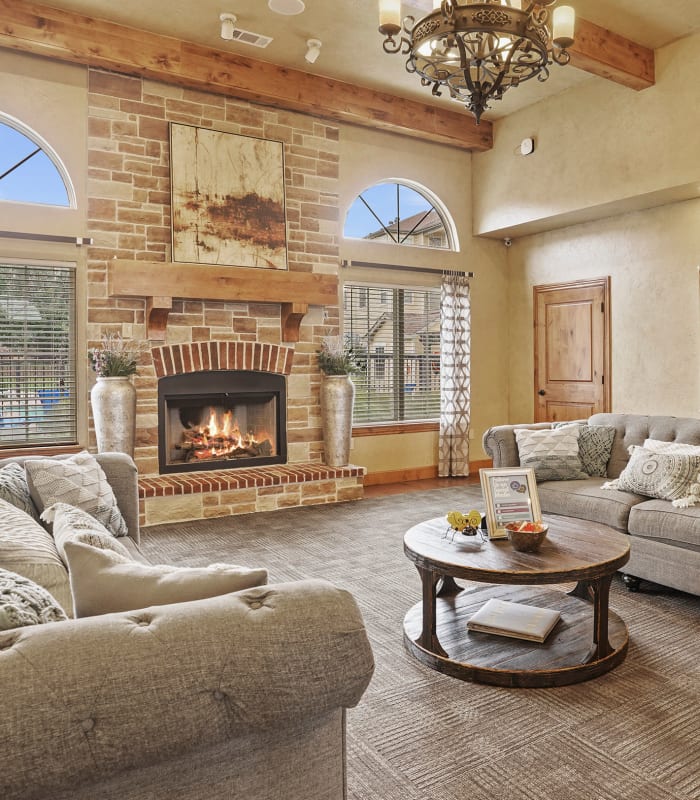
<point>67,36</point>
<point>609,55</point>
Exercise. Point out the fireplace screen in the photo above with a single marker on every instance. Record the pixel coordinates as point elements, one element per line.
<point>221,419</point>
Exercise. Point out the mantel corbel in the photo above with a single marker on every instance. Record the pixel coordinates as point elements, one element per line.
<point>159,282</point>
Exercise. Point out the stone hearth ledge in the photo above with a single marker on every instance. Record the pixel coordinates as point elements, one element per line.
<point>180,497</point>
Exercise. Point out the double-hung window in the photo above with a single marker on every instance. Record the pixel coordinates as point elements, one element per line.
<point>395,334</point>
<point>37,354</point>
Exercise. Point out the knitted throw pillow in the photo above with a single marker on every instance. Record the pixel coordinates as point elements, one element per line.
<point>594,446</point>
<point>23,602</point>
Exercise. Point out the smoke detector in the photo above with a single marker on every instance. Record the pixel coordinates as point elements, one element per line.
<point>230,32</point>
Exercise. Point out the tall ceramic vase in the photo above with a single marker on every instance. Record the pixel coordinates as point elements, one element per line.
<point>113,402</point>
<point>337,397</point>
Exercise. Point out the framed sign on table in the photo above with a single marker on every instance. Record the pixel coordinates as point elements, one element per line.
<point>510,494</point>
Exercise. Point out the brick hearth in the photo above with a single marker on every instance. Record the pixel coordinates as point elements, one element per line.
<point>197,495</point>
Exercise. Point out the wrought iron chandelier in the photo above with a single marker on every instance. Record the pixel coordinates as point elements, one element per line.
<point>477,50</point>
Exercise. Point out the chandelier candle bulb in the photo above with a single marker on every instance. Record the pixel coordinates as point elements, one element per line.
<point>563,21</point>
<point>389,15</point>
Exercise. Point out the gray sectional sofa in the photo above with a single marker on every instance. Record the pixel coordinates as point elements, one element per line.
<point>665,540</point>
<point>239,695</point>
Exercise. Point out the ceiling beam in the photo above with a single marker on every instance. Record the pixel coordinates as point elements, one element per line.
<point>67,36</point>
<point>609,55</point>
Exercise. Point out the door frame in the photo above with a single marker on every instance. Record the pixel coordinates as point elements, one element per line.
<point>604,283</point>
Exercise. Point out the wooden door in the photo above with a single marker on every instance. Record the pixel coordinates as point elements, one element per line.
<point>572,349</point>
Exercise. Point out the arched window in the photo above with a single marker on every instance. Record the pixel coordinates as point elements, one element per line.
<point>400,213</point>
<point>30,170</point>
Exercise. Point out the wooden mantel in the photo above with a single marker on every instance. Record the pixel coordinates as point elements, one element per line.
<point>160,281</point>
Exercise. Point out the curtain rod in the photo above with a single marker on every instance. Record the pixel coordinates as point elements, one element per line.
<point>46,237</point>
<point>347,263</point>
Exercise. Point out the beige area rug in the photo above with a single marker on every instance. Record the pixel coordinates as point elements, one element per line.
<point>418,735</point>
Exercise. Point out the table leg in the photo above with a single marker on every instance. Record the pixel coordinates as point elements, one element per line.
<point>428,639</point>
<point>597,591</point>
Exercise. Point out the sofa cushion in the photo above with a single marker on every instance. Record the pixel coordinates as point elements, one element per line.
<point>665,476</point>
<point>77,481</point>
<point>28,549</point>
<point>594,447</point>
<point>635,428</point>
<point>553,454</point>
<point>14,489</point>
<point>587,500</point>
<point>103,581</point>
<point>661,521</point>
<point>74,524</point>
<point>23,602</point>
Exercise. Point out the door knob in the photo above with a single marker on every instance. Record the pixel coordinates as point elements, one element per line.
<point>541,393</point>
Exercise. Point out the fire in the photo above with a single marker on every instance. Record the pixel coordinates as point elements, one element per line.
<point>222,438</point>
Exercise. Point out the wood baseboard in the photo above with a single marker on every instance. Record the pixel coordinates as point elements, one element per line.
<point>415,474</point>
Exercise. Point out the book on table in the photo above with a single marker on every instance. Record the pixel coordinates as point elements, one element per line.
<point>514,619</point>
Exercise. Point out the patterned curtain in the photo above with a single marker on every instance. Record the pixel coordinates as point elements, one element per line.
<point>455,392</point>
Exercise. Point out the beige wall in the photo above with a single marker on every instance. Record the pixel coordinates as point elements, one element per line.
<point>601,149</point>
<point>652,258</point>
<point>50,98</point>
<point>370,156</point>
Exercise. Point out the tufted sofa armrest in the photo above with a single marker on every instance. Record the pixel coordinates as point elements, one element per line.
<point>86,699</point>
<point>499,443</point>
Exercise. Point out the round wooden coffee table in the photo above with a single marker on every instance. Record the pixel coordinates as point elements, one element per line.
<point>586,642</point>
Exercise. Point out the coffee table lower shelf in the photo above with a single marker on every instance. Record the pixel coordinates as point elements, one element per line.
<point>503,661</point>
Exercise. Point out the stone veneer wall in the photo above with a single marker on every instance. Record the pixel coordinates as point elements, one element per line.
<point>129,218</point>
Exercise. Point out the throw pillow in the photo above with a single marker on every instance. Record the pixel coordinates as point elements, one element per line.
<point>14,489</point>
<point>23,602</point>
<point>77,481</point>
<point>594,446</point>
<point>28,549</point>
<point>553,454</point>
<point>103,581</point>
<point>657,446</point>
<point>665,476</point>
<point>74,524</point>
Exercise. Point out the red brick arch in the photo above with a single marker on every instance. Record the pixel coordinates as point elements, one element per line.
<point>176,359</point>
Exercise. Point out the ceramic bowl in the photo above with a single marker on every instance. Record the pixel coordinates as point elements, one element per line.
<point>526,541</point>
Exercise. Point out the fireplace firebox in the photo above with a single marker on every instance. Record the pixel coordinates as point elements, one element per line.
<point>221,419</point>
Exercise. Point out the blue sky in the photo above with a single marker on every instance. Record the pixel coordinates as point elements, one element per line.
<point>37,180</point>
<point>383,200</point>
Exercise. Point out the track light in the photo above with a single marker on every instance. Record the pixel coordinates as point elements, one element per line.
<point>228,26</point>
<point>313,50</point>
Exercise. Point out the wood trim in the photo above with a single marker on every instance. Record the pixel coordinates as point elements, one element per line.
<point>160,281</point>
<point>609,55</point>
<point>416,474</point>
<point>76,38</point>
<point>41,452</point>
<point>392,428</point>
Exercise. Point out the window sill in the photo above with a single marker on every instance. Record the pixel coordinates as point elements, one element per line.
<point>392,428</point>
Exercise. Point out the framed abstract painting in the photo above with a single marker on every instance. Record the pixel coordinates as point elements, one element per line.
<point>228,204</point>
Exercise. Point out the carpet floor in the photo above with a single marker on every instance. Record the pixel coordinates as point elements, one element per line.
<point>633,733</point>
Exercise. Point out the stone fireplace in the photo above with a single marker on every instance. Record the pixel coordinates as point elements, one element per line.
<point>194,318</point>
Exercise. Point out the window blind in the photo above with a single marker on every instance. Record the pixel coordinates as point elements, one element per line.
<point>37,355</point>
<point>395,333</point>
